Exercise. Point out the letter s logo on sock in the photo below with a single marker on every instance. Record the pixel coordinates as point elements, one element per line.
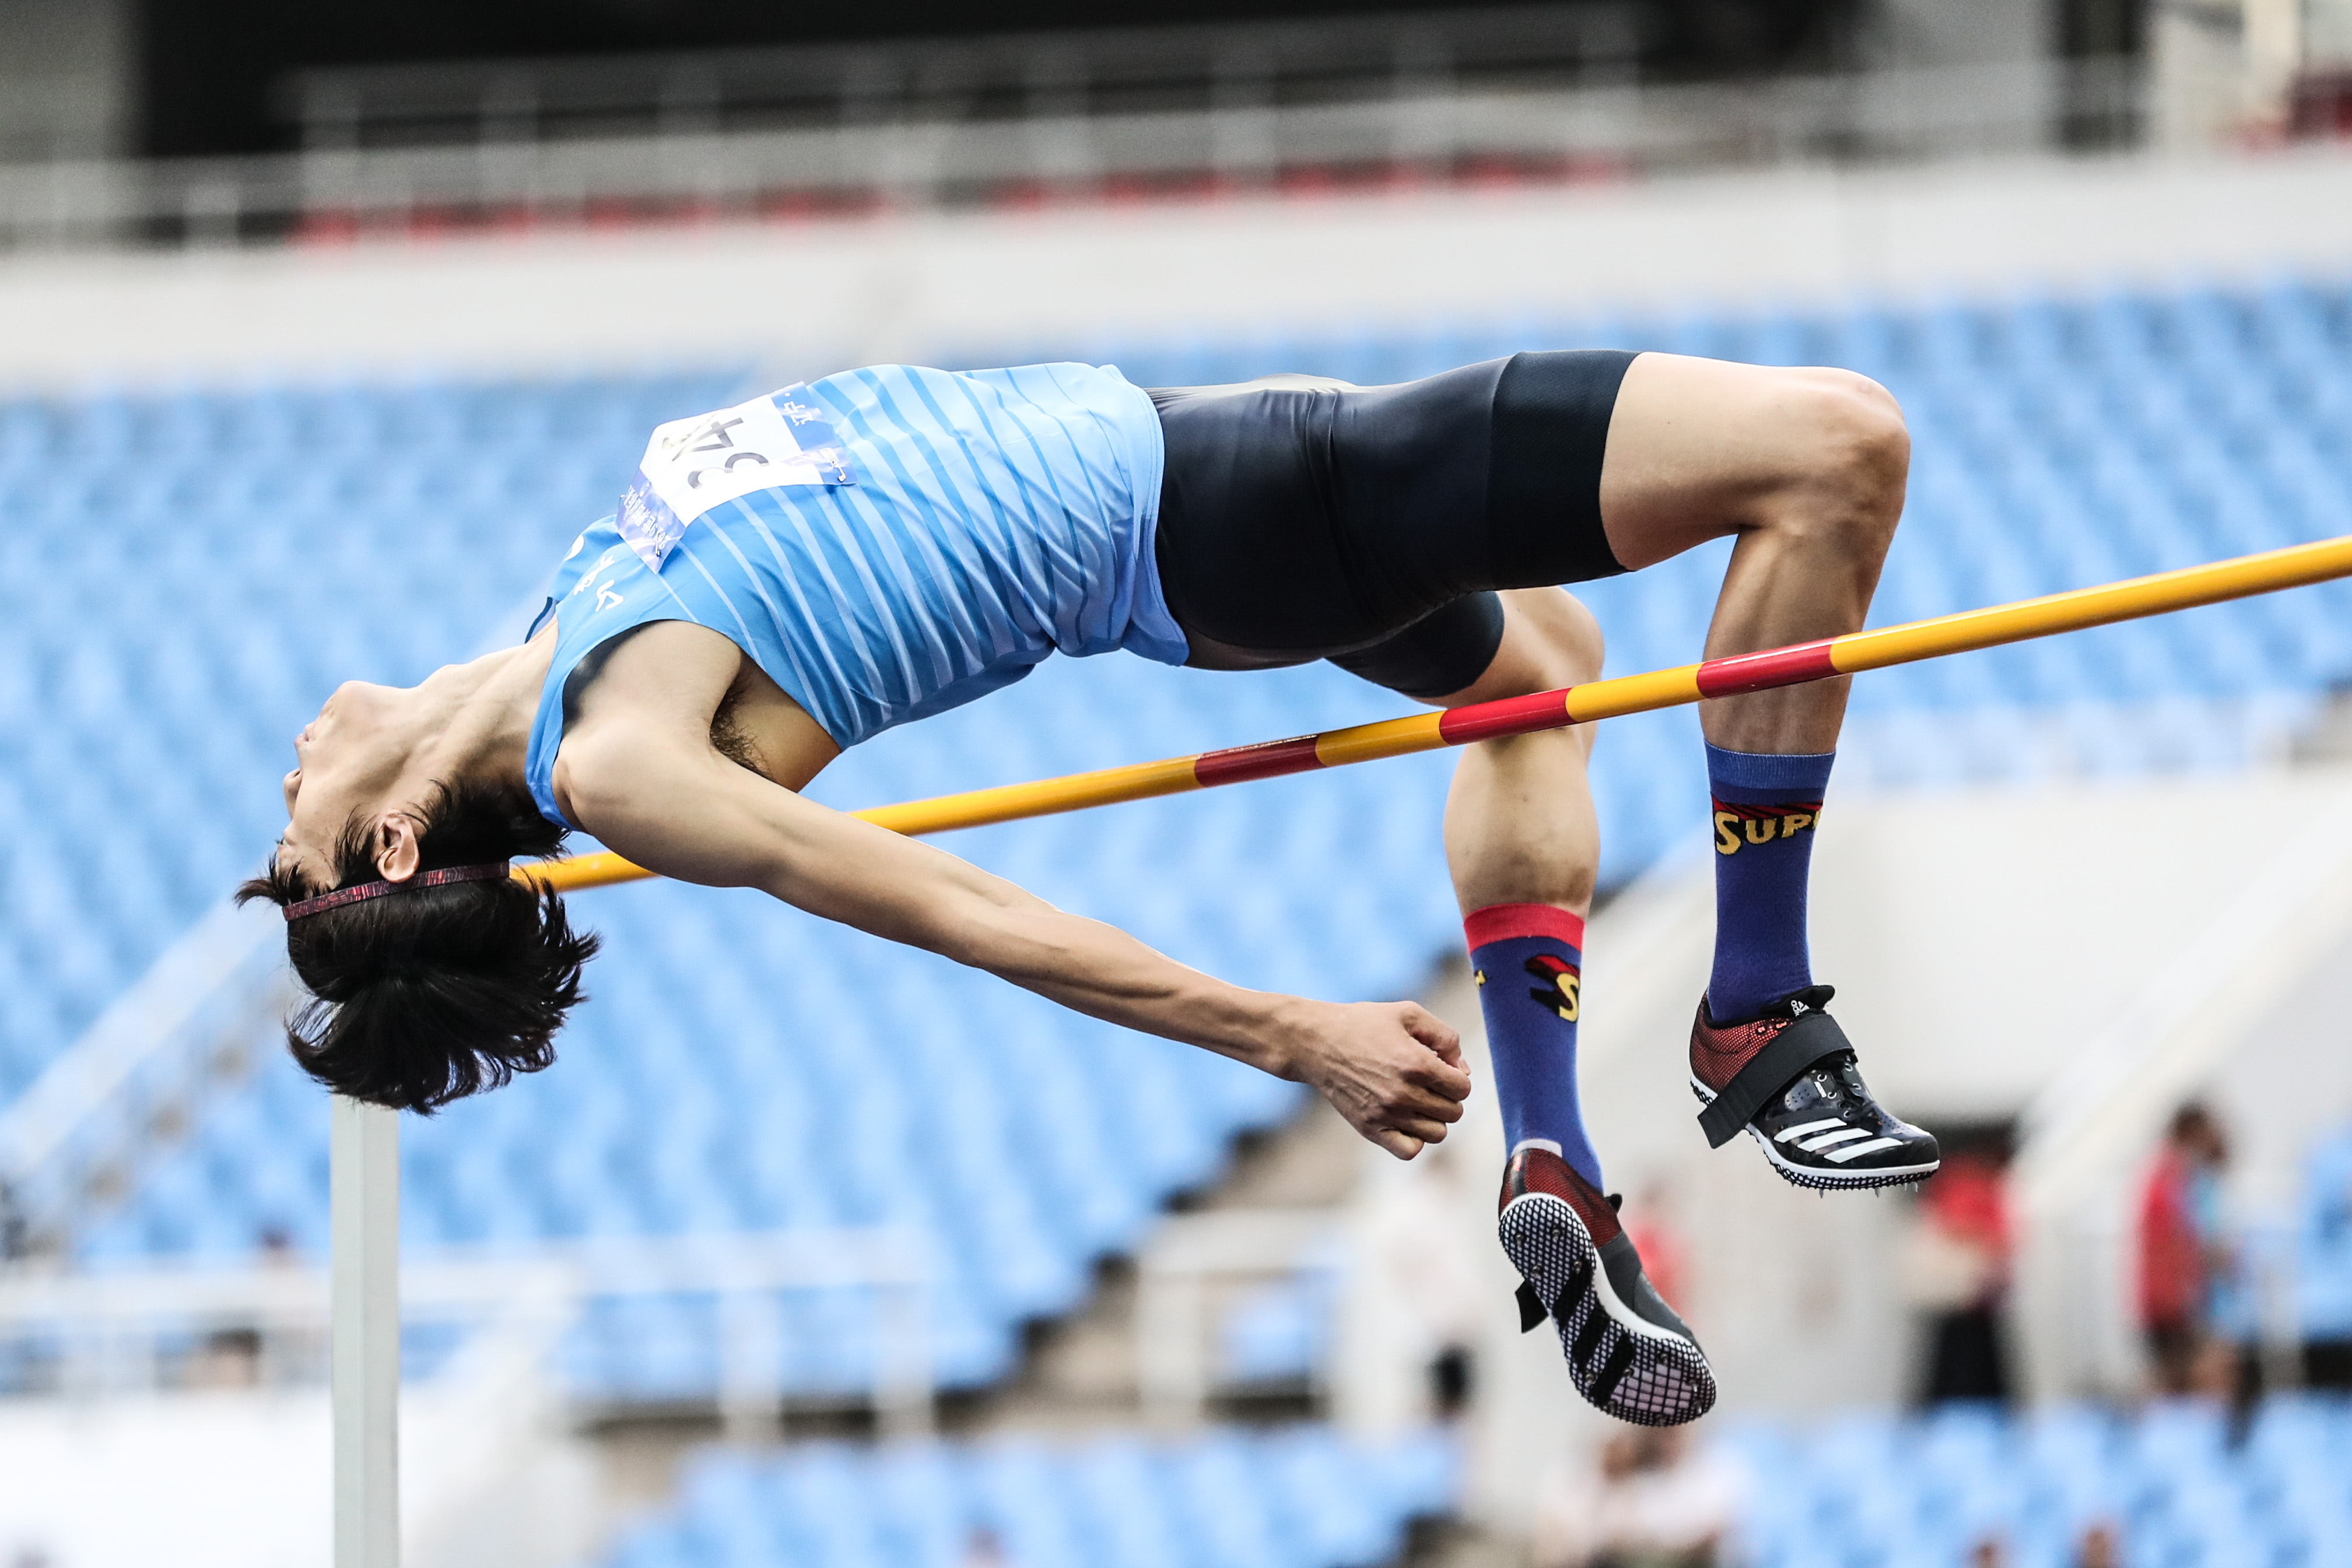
<point>1736,827</point>
<point>1563,984</point>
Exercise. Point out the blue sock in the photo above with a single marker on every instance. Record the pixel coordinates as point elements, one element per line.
<point>1765,810</point>
<point>1528,959</point>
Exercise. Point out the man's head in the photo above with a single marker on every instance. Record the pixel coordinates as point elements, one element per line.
<point>432,992</point>
<point>2197,1133</point>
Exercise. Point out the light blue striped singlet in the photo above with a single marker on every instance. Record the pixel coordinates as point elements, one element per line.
<point>885,543</point>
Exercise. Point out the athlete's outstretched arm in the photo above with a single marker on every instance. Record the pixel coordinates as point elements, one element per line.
<point>663,797</point>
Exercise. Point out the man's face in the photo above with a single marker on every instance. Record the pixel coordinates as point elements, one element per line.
<point>346,761</point>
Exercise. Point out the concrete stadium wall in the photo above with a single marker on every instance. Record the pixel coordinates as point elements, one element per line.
<point>806,298</point>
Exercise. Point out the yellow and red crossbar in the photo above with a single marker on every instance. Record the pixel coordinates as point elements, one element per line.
<point>2072,611</point>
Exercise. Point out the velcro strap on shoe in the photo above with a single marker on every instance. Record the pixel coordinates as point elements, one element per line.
<point>1531,1307</point>
<point>1795,1049</point>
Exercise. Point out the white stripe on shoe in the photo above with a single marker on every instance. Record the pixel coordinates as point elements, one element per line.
<point>1856,1150</point>
<point>1842,1135</point>
<point>1785,1133</point>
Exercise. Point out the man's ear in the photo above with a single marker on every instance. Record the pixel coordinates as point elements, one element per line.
<point>397,851</point>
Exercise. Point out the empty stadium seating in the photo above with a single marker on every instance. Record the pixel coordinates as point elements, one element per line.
<point>1873,1491</point>
<point>1300,1498</point>
<point>192,573</point>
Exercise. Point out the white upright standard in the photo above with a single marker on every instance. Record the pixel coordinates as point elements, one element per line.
<point>365,1239</point>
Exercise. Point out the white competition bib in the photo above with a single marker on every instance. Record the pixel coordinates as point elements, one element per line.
<point>692,465</point>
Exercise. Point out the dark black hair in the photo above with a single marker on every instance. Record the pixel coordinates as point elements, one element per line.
<point>423,998</point>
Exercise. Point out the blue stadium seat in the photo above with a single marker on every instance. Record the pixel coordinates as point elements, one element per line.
<point>1223,1499</point>
<point>1279,1331</point>
<point>1872,1491</point>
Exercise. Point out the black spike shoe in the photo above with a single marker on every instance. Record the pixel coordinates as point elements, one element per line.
<point>1630,1355</point>
<point>1789,1078</point>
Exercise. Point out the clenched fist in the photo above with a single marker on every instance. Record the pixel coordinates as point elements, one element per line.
<point>1392,1069</point>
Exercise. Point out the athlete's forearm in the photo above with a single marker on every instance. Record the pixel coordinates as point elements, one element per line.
<point>1390,1069</point>
<point>1103,972</point>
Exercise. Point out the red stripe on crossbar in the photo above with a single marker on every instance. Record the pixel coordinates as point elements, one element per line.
<point>1266,759</point>
<point>1503,716</point>
<point>1762,671</point>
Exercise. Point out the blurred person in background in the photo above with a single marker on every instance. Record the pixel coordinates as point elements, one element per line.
<point>1648,1498</point>
<point>239,1355</point>
<point>1649,1222</point>
<point>16,1231</point>
<point>2100,1547</point>
<point>228,1358</point>
<point>1424,1268</point>
<point>2186,1260</point>
<point>1956,1271</point>
<point>983,1548</point>
<point>1439,1281</point>
<point>793,575</point>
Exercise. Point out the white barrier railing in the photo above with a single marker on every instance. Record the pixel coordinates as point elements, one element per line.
<point>113,1330</point>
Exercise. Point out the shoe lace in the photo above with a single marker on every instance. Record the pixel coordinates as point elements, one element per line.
<point>1838,1082</point>
<point>1849,1076</point>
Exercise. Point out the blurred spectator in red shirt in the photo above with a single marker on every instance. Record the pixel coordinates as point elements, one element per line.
<point>2183,1255</point>
<point>1650,1225</point>
<point>1955,1269</point>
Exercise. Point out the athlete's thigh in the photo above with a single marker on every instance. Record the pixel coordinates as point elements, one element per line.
<point>1700,448</point>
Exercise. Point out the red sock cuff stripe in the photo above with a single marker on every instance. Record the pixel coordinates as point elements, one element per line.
<point>1753,812</point>
<point>1510,922</point>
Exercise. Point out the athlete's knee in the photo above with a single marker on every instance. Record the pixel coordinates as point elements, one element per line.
<point>1562,647</point>
<point>1850,456</point>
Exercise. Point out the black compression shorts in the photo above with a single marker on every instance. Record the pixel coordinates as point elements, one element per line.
<point>1303,520</point>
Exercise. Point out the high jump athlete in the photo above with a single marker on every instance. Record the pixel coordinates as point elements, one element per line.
<point>791,576</point>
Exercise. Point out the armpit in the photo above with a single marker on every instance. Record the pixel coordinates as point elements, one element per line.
<point>728,739</point>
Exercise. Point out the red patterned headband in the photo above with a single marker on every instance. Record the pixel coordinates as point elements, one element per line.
<point>368,890</point>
